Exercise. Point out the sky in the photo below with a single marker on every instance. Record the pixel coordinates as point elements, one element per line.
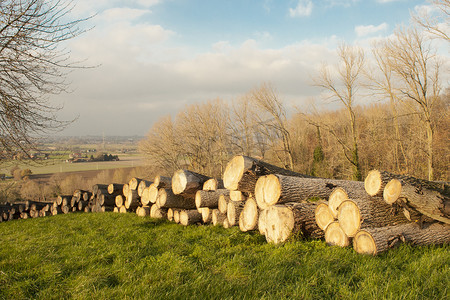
<point>152,58</point>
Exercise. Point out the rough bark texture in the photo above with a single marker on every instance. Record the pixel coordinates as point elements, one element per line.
<point>217,217</point>
<point>132,200</point>
<point>187,182</point>
<point>242,172</point>
<point>378,240</point>
<point>209,198</point>
<point>278,189</point>
<point>428,202</point>
<point>163,182</point>
<point>234,210</point>
<point>167,199</point>
<point>115,188</point>
<point>189,217</point>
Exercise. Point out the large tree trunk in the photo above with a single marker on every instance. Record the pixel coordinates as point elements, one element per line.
<point>433,203</point>
<point>115,189</point>
<point>279,222</point>
<point>187,182</point>
<point>167,199</point>
<point>188,217</point>
<point>377,240</point>
<point>132,200</point>
<point>242,172</point>
<point>209,198</point>
<point>277,189</point>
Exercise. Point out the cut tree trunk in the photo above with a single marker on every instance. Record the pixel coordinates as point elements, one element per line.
<point>115,188</point>
<point>378,240</point>
<point>282,221</point>
<point>277,189</point>
<point>119,201</point>
<point>248,220</point>
<point>123,209</point>
<point>335,236</point>
<point>429,202</point>
<point>132,200</point>
<point>145,197</point>
<point>162,182</point>
<point>234,210</point>
<point>143,211</point>
<point>206,214</point>
<point>217,217</point>
<point>167,199</point>
<point>323,216</point>
<point>170,214</point>
<point>99,187</point>
<point>213,184</point>
<point>242,172</point>
<point>134,183</point>
<point>176,216</point>
<point>189,217</point>
<point>142,185</point>
<point>209,198</point>
<point>187,182</point>
<point>237,196</point>
<point>223,203</point>
<point>108,200</point>
<point>158,212</point>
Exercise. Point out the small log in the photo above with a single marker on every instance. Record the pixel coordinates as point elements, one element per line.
<point>209,198</point>
<point>187,182</point>
<point>115,188</point>
<point>242,172</point>
<point>125,189</point>
<point>153,193</point>
<point>119,201</point>
<point>248,219</point>
<point>132,200</point>
<point>189,217</point>
<point>81,205</point>
<point>374,241</point>
<point>158,212</point>
<point>145,200</point>
<point>167,199</point>
<point>142,185</point>
<point>340,194</point>
<point>87,196</point>
<point>225,223</point>
<point>432,203</point>
<point>143,211</point>
<point>170,214</point>
<point>96,188</point>
<point>162,182</point>
<point>223,203</point>
<point>61,198</point>
<point>234,210</point>
<point>237,196</point>
<point>213,184</point>
<point>133,183</point>
<point>335,236</point>
<point>323,216</point>
<point>107,199</point>
<point>176,216</point>
<point>122,209</point>
<point>206,214</point>
<point>217,217</point>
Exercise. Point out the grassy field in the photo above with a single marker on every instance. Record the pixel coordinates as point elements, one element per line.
<point>122,256</point>
<point>58,166</point>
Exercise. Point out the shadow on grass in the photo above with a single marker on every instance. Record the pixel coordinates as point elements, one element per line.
<point>152,223</point>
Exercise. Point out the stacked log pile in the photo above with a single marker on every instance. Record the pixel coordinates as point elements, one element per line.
<point>375,215</point>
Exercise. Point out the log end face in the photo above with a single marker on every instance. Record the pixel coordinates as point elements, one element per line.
<point>373,182</point>
<point>364,243</point>
<point>392,191</point>
<point>349,218</point>
<point>198,199</point>
<point>179,182</point>
<point>272,190</point>
<point>335,236</point>
<point>233,172</point>
<point>337,196</point>
<point>249,215</point>
<point>279,224</point>
<point>323,216</point>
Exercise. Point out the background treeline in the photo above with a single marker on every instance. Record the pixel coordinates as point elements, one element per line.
<point>203,137</point>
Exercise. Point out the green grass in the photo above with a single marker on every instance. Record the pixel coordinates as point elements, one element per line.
<point>122,256</point>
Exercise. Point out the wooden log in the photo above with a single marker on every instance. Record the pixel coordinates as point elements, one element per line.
<point>237,196</point>
<point>189,217</point>
<point>82,204</point>
<point>123,209</point>
<point>277,189</point>
<point>248,219</point>
<point>170,214</point>
<point>323,215</point>
<point>87,195</point>
<point>106,208</point>
<point>341,193</point>
<point>167,199</point>
<point>176,216</point>
<point>96,188</point>
<point>187,182</point>
<point>133,183</point>
<point>209,198</point>
<point>242,172</point>
<point>335,236</point>
<point>213,184</point>
<point>143,211</point>
<point>374,241</point>
<point>116,209</point>
<point>60,199</point>
<point>284,221</point>
<point>162,182</point>
<point>223,203</point>
<point>217,217</point>
<point>142,185</point>
<point>153,193</point>
<point>132,200</point>
<point>429,202</point>
<point>158,212</point>
<point>125,189</point>
<point>234,210</point>
<point>206,214</point>
<point>119,201</point>
<point>107,199</point>
<point>225,223</point>
<point>145,200</point>
<point>115,188</point>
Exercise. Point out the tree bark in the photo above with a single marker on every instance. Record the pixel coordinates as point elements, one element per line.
<point>189,217</point>
<point>217,217</point>
<point>234,210</point>
<point>133,183</point>
<point>209,198</point>
<point>115,189</point>
<point>378,240</point>
<point>242,172</point>
<point>187,182</point>
<point>157,212</point>
<point>429,202</point>
<point>132,200</point>
<point>162,182</point>
<point>167,199</point>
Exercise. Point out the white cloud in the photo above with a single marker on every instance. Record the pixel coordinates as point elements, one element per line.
<point>363,30</point>
<point>345,3</point>
<point>388,1</point>
<point>303,9</point>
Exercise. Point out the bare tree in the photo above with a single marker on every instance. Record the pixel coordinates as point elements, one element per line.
<point>437,21</point>
<point>272,118</point>
<point>343,88</point>
<point>32,66</point>
<point>417,70</point>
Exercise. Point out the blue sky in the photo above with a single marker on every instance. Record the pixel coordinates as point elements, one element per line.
<point>157,56</point>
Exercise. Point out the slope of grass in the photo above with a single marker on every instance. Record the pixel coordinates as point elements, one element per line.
<point>120,256</point>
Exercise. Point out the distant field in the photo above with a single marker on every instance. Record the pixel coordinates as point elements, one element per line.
<point>59,166</point>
